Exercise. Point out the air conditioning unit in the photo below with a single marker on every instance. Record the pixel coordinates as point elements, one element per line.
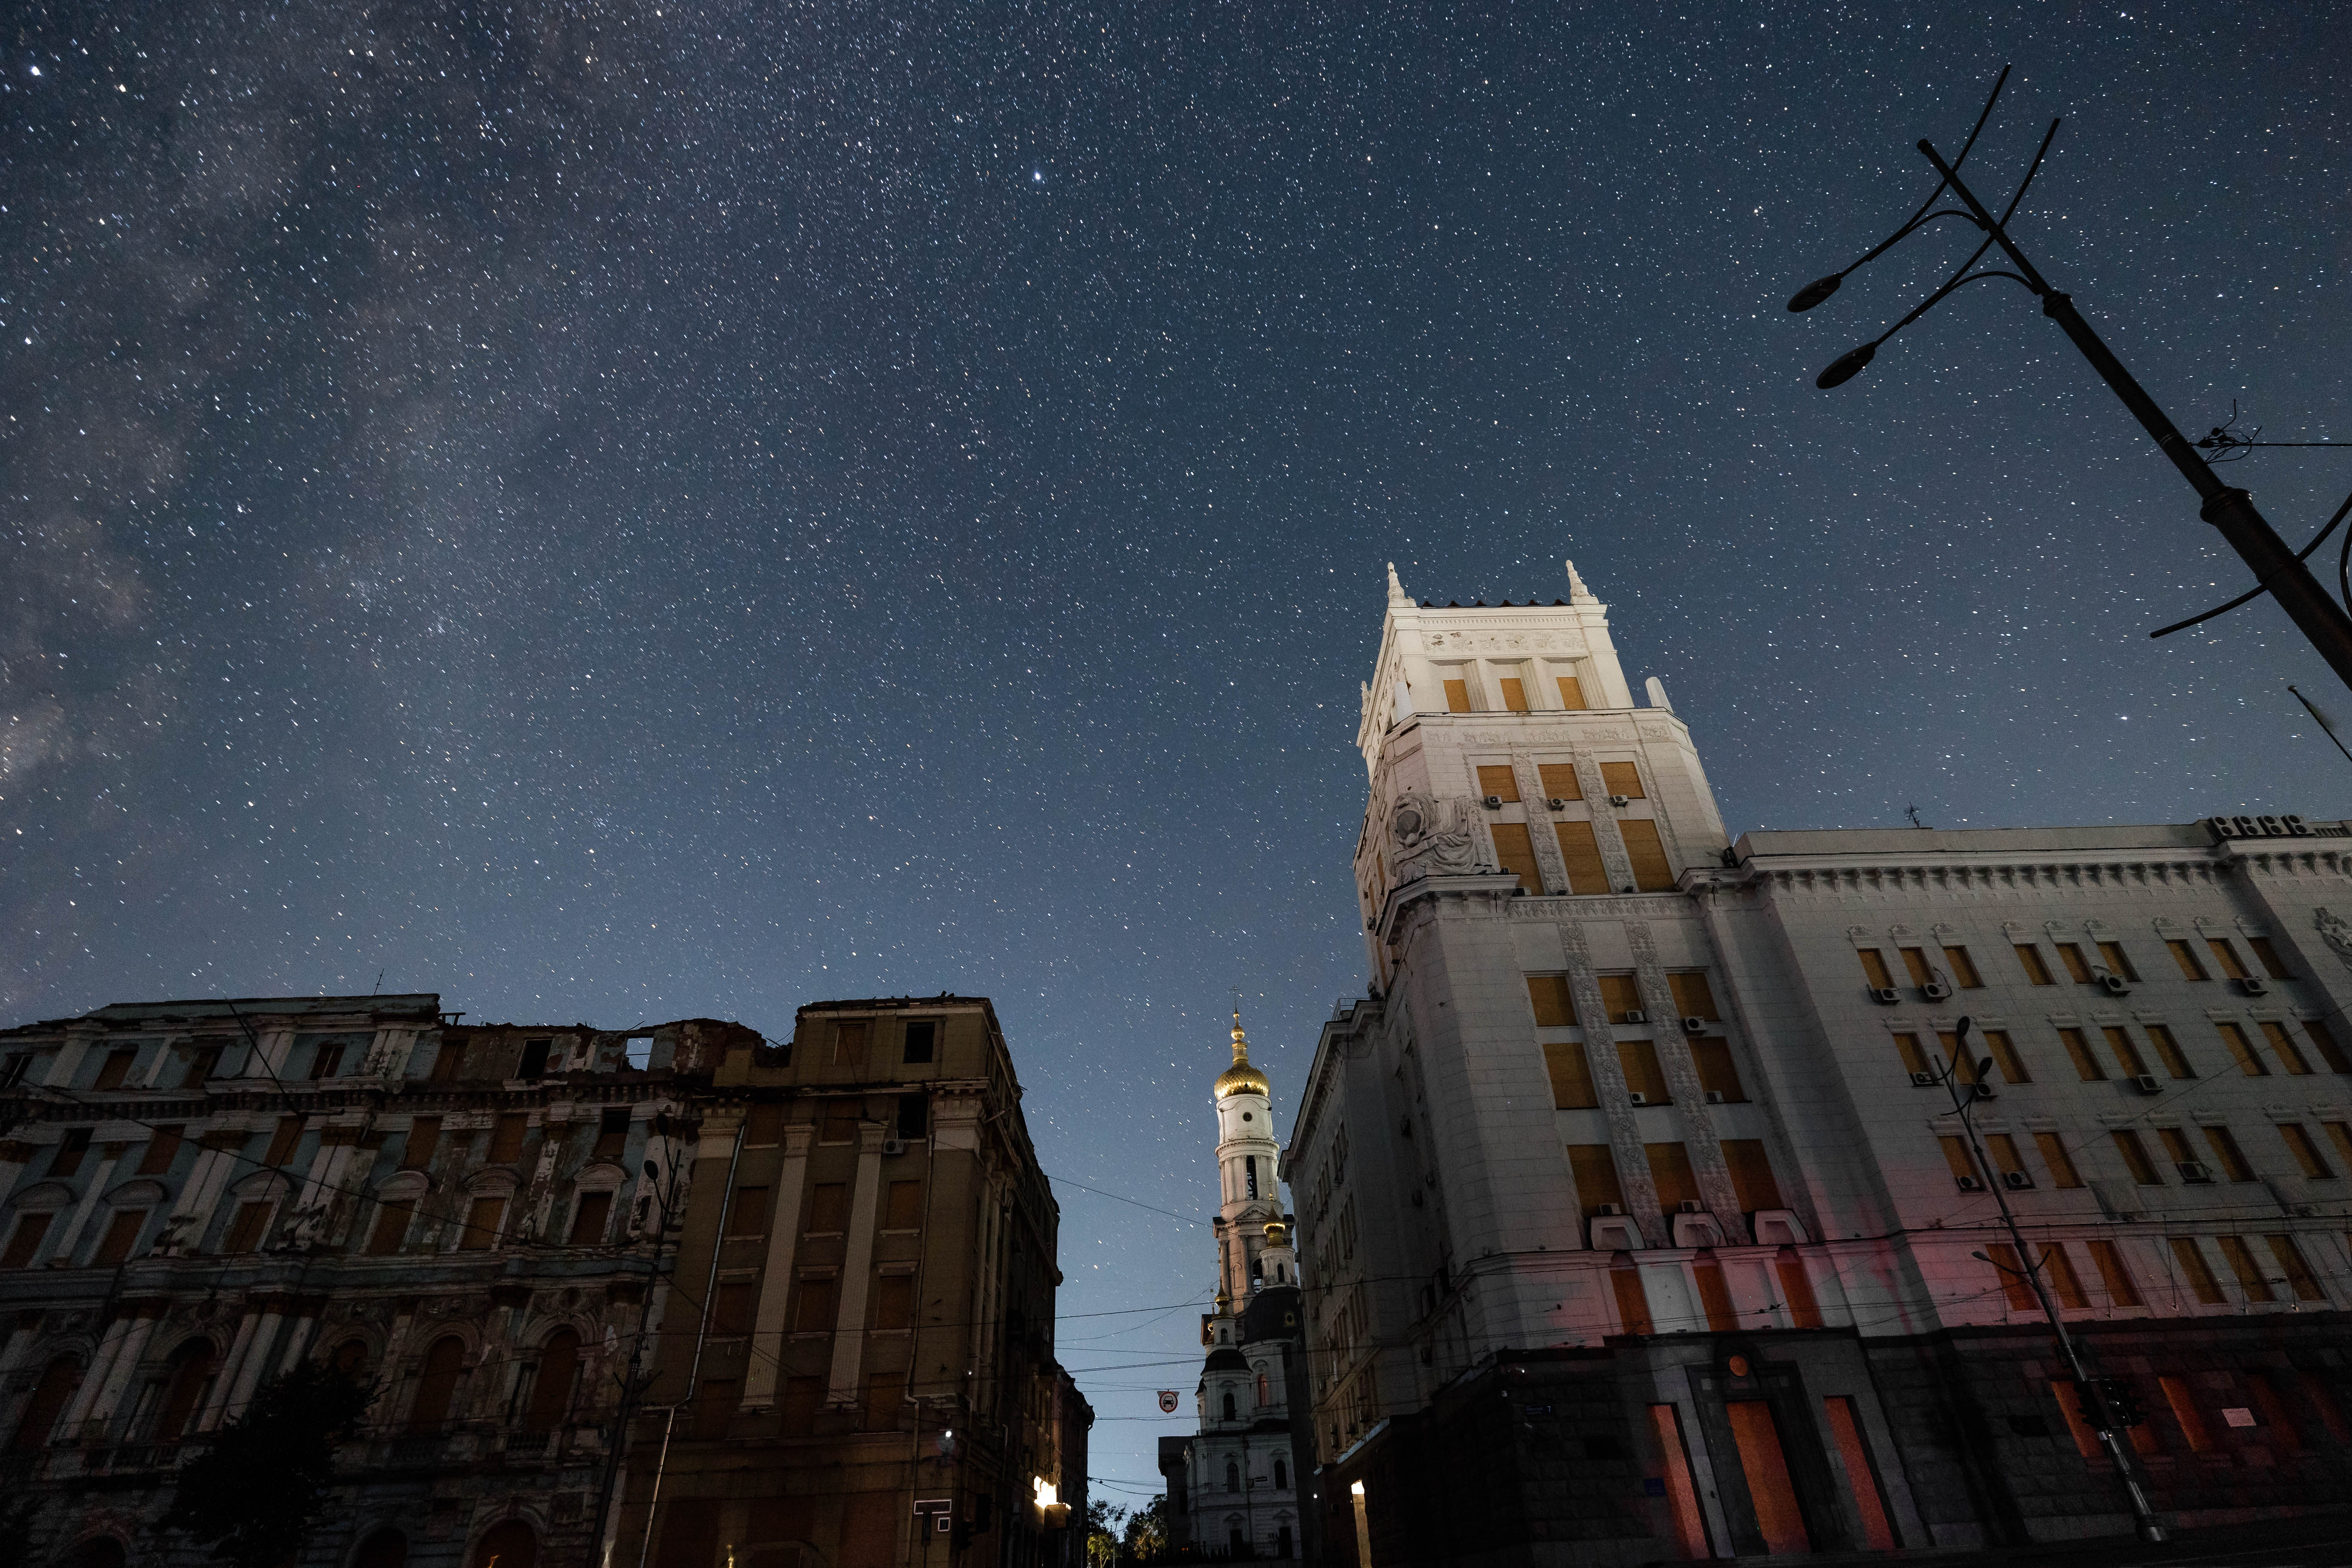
<point>1968,1184</point>
<point>1557,804</point>
<point>1885,994</point>
<point>1609,1211</point>
<point>2252,986</point>
<point>1620,800</point>
<point>1714,1097</point>
<point>2194,1171</point>
<point>2145,1083</point>
<point>1632,1016</point>
<point>1934,990</point>
<point>1637,1097</point>
<point>893,1145</point>
<point>1923,1080</point>
<point>2114,985</point>
<point>1689,1205</point>
<point>1493,802</point>
<point>2016,1181</point>
<point>1694,1026</point>
<point>1985,1090</point>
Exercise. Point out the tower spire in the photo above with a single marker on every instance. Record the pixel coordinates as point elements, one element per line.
<point>1241,1078</point>
<point>1398,597</point>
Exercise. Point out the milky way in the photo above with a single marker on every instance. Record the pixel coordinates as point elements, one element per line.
<point>638,512</point>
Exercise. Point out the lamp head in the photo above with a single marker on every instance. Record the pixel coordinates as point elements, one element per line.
<point>1846,366</point>
<point>1813,293</point>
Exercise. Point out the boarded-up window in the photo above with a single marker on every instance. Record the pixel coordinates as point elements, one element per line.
<point>1571,1076</point>
<point>1516,852</point>
<point>1914,961</point>
<point>437,1385</point>
<point>1670,1168</point>
<point>122,1235</point>
<point>2268,957</point>
<point>1555,1006</point>
<point>2011,1272</point>
<point>506,1139</point>
<point>1715,1295</point>
<point>2299,1144</point>
<point>818,1308</point>
<point>25,1241</point>
<point>1515,693</point>
<point>748,1214</point>
<point>764,1126</point>
<point>283,1141</point>
<point>1632,1301</point>
<point>1621,996</point>
<point>1571,693</point>
<point>550,1388</point>
<point>2252,1278</point>
<point>869,1529</point>
<point>2169,1051</point>
<point>59,1381</point>
<point>2299,1277</point>
<point>2186,958</point>
<point>2135,1159</point>
<point>2279,1425</point>
<point>162,1148</point>
<point>886,1399</point>
<point>391,1228</point>
<point>2002,1149</point>
<point>2003,1051</point>
<point>849,1042</point>
<point>828,1206</point>
<point>2058,1267</point>
<point>1959,1160</point>
<point>1860,1474</point>
<point>1587,875</point>
<point>2184,1408</point>
<point>1796,1289</point>
<point>246,1230</point>
<point>2229,1156</point>
<point>612,1133</point>
<point>2037,972</point>
<point>2241,1051</point>
<point>2282,1046</point>
<point>840,1118</point>
<point>1593,1169</point>
<point>1751,1175</point>
<point>1694,997</point>
<point>2078,969</point>
<point>2121,1289</point>
<point>1915,1057</point>
<point>1621,778</point>
<point>732,1313</point>
<point>115,1068</point>
<point>2196,1271</point>
<point>903,1209</point>
<point>1716,1074</point>
<point>589,1217</point>
<point>2078,1051</point>
<point>450,1061</point>
<point>1502,783</point>
<point>1639,1059</point>
<point>1560,780</point>
<point>1875,973</point>
<point>894,1301</point>
<point>1652,873</point>
<point>1457,697</point>
<point>803,1402</point>
<point>1963,969</point>
<point>714,1404</point>
<point>2329,1051</point>
<point>483,1218</point>
<point>2127,1054</point>
<point>2223,955</point>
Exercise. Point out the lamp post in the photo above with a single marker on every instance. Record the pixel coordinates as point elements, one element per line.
<point>2095,1405</point>
<point>2322,620</point>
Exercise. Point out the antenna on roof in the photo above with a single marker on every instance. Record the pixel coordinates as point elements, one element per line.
<point>1913,813</point>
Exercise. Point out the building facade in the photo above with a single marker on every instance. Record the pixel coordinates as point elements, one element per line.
<point>873,1381</point>
<point>1636,1224</point>
<point>1240,1487</point>
<point>199,1194</point>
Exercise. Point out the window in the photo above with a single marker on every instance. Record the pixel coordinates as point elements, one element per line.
<point>2135,1160</point>
<point>2342,1137</point>
<point>483,1218</point>
<point>849,1042</point>
<point>2184,1406</point>
<point>731,1311</point>
<point>2003,1150</point>
<point>747,1215</point>
<point>904,1208</point>
<point>1571,693</point>
<point>1555,1007</point>
<point>2127,1055</point>
<point>162,1148</point>
<point>1915,1057</point>
<point>506,1138</point>
<point>922,1039</point>
<point>1875,973</point>
<point>1571,1076</point>
<point>2078,1051</point>
<point>2197,1273</point>
<point>121,1236</point>
<point>12,1071</point>
<point>1281,1480</point>
<point>1670,1168</point>
<point>1264,1390</point>
<point>1515,693</point>
<point>1560,780</point>
<point>2071,955</point>
<point>2062,1164</point>
<point>1694,997</point>
<point>2003,1051</point>
<point>2175,1147</point>
<point>914,1116</point>
<point>2282,1046</point>
<point>894,1302</point>
<point>1915,962</point>
<point>203,1063</point>
<point>2186,957</point>
<point>2241,1262</point>
<point>423,1138</point>
<point>1623,778</point>
<point>1960,1160</point>
<point>2226,956</point>
<point>1964,1067</point>
<point>2037,972</point>
<point>2306,1153</point>
<point>326,1061</point>
<point>25,1241</point>
<point>2010,1271</point>
<point>1457,695</point>
<point>1232,1472</point>
<point>534,1059</point>
<point>2278,1422</point>
<point>436,1384</point>
<point>550,1386</point>
<point>1593,1168</point>
<point>1751,1175</point>
<point>1620,994</point>
<point>589,1214</point>
<point>448,1062</point>
<point>390,1226</point>
<point>1249,1170</point>
<point>2299,1277</point>
<point>70,1149</point>
<point>1653,872</point>
<point>284,1141</point>
<point>816,1306</point>
<point>1502,783</point>
<point>115,1068</point>
<point>2235,1039</point>
<point>1711,1054</point>
<point>2267,956</point>
<point>1515,851</point>
<point>1963,969</point>
<point>2118,963</point>
<point>828,1207</point>
<point>612,1133</point>
<point>840,1118</point>
<point>1639,1058</point>
<point>2121,1291</point>
<point>1588,875</point>
<point>2227,1155</point>
<point>2064,1283</point>
<point>247,1229</point>
<point>2329,1051</point>
<point>2169,1051</point>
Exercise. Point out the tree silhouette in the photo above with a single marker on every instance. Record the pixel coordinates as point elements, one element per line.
<point>261,1483</point>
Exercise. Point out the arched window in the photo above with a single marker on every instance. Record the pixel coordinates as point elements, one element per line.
<point>1257,1271</point>
<point>189,1382</point>
<point>387,1548</point>
<point>58,1384</point>
<point>1232,1477</point>
<point>1228,1404</point>
<point>551,1390</point>
<point>1265,1389</point>
<point>1281,1275</point>
<point>350,1360</point>
<point>437,1385</point>
<point>1281,1476</point>
<point>1249,1170</point>
<point>509,1545</point>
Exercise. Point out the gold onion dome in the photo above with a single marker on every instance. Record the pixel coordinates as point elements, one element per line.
<point>1276,1234</point>
<point>1241,1078</point>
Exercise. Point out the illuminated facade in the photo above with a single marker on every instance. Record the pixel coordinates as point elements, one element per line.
<point>1629,1211</point>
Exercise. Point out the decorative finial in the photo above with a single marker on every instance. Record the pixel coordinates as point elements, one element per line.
<point>1578,593</point>
<point>1398,597</point>
<point>1241,1041</point>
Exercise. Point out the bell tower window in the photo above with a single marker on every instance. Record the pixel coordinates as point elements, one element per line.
<point>1249,1173</point>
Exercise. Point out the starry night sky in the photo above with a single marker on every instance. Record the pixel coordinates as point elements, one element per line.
<point>621,512</point>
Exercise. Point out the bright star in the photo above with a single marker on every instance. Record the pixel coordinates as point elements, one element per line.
<point>1036,176</point>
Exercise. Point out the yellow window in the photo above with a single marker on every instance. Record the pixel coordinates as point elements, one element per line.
<point>2196,1271</point>
<point>1571,1076</point>
<point>2251,1278</point>
<point>2003,1150</point>
<point>1593,1169</point>
<point>1621,778</point>
<point>2054,1155</point>
<point>2227,1155</point>
<point>1639,1060</point>
<point>1914,961</point>
<point>2037,972</point>
<point>2010,1269</point>
<point>1560,780</point>
<point>1572,692</point>
<point>1963,968</point>
<point>2064,1282</point>
<point>1652,873</point>
<point>1457,697</point>
<point>1694,998</point>
<point>1517,852</point>
<point>1620,994</point>
<point>1587,876</point>
<point>2135,1160</point>
<point>2127,1055</point>
<point>2282,1046</point>
<point>2121,1289</point>
<point>2329,1051</point>
<point>2299,1276</point>
<point>2003,1051</point>
<point>2268,957</point>
<point>1751,1175</point>
<point>2226,956</point>
<point>1501,782</point>
<point>2078,1050</point>
<point>1515,694</point>
<point>2186,957</point>
<point>2113,954</point>
<point>1960,1158</point>
<point>2169,1051</point>
<point>1555,1006</point>
<point>1915,1059</point>
<point>2299,1144</point>
<point>2078,969</point>
<point>1711,1054</point>
<point>1873,969</point>
<point>2235,1039</point>
<point>1670,1168</point>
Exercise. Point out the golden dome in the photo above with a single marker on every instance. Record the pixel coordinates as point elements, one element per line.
<point>1241,1078</point>
<point>1276,1234</point>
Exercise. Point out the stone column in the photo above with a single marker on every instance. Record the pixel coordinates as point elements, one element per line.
<point>1633,1179</point>
<point>119,1377</point>
<point>216,1158</point>
<point>308,1312</point>
<point>14,1155</point>
<point>257,1358</point>
<point>62,1250</point>
<point>210,1414</point>
<point>93,1380</point>
<point>857,1271</point>
<point>1674,1060</point>
<point>776,1280</point>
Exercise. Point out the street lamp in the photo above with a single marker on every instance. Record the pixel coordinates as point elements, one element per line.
<point>2099,1405</point>
<point>2228,509</point>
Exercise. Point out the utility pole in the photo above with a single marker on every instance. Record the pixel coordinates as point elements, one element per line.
<point>2096,1405</point>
